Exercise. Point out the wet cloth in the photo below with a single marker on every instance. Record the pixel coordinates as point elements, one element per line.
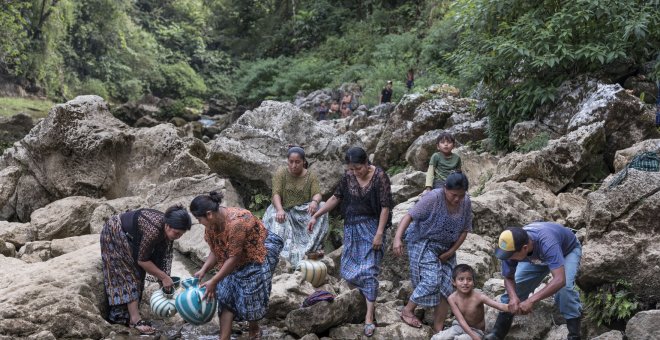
<point>360,263</point>
<point>456,332</point>
<point>123,278</point>
<point>430,278</point>
<point>297,241</point>
<point>245,292</point>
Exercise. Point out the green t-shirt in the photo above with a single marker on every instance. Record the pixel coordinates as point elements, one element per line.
<point>440,167</point>
<point>295,190</point>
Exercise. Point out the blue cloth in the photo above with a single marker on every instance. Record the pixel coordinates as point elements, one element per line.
<point>433,221</point>
<point>529,276</point>
<point>431,279</point>
<point>359,261</point>
<point>246,290</point>
<point>552,241</point>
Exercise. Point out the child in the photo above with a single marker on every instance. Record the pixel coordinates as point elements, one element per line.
<point>442,163</point>
<point>467,305</point>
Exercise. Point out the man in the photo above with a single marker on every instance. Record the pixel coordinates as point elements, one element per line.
<point>386,94</point>
<point>528,254</point>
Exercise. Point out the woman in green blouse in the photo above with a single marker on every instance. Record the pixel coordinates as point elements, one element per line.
<point>296,197</point>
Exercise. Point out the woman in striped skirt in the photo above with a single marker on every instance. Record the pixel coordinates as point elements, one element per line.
<point>132,244</point>
<point>440,223</point>
<point>366,204</point>
<point>245,255</point>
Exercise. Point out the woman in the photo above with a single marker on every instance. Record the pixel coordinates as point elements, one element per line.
<point>296,197</point>
<point>441,220</point>
<point>245,254</point>
<point>133,243</point>
<point>366,202</point>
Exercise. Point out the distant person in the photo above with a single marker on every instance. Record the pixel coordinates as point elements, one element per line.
<point>442,162</point>
<point>347,100</point>
<point>528,255</point>
<point>386,94</point>
<point>345,110</point>
<point>441,221</point>
<point>467,305</point>
<point>365,198</point>
<point>410,79</point>
<point>333,112</point>
<point>322,110</point>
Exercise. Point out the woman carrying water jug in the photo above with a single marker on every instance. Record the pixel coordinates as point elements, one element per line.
<point>245,255</point>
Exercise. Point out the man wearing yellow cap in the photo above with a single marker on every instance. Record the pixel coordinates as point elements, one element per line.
<point>528,254</point>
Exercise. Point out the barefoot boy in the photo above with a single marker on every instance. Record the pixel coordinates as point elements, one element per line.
<point>468,307</point>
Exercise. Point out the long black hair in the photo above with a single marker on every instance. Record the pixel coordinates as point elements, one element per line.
<point>457,180</point>
<point>356,155</point>
<point>178,218</point>
<point>202,204</point>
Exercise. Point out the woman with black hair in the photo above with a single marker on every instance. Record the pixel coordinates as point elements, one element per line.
<point>366,204</point>
<point>245,255</point>
<point>441,221</point>
<point>132,244</point>
<point>296,197</point>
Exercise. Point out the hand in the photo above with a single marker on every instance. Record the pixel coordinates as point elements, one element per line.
<point>444,257</point>
<point>210,289</point>
<point>474,336</point>
<point>378,241</point>
<point>313,207</point>
<point>514,306</point>
<point>526,307</point>
<point>199,274</point>
<point>397,246</point>
<point>310,224</point>
<point>280,216</point>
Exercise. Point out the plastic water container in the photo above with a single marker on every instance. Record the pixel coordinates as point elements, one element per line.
<point>192,306</point>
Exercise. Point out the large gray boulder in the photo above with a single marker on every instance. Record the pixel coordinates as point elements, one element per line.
<point>348,307</point>
<point>252,148</point>
<point>105,209</point>
<point>64,218</point>
<point>644,326</point>
<point>17,233</point>
<point>193,245</point>
<point>414,116</point>
<point>625,216</point>
<point>67,245</point>
<point>63,296</point>
<point>183,190</point>
<point>407,184</point>
<point>564,161</point>
<point>288,293</point>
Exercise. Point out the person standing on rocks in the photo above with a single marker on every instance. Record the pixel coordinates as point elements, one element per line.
<point>245,255</point>
<point>528,254</point>
<point>296,197</point>
<point>441,221</point>
<point>386,94</point>
<point>133,244</point>
<point>366,202</point>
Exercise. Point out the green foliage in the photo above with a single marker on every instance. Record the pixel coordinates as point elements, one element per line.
<point>611,303</point>
<point>259,202</point>
<point>37,108</point>
<point>178,80</point>
<point>537,143</point>
<point>396,169</point>
<point>13,38</point>
<point>335,237</point>
<point>92,86</point>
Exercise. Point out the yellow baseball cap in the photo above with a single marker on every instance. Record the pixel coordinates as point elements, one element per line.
<point>511,240</point>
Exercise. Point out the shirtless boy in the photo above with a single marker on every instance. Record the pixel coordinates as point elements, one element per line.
<point>467,305</point>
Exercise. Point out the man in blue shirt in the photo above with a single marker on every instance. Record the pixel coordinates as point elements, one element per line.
<point>528,254</point>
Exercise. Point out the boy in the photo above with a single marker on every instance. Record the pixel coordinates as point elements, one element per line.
<point>467,305</point>
<point>442,163</point>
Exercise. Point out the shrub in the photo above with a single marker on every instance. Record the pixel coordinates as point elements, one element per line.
<point>611,303</point>
<point>536,143</point>
<point>179,80</point>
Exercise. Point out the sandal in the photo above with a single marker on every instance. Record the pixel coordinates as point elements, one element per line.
<point>369,329</point>
<point>144,327</point>
<point>411,320</point>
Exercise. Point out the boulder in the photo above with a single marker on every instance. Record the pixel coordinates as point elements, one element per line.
<point>38,251</point>
<point>7,249</point>
<point>642,87</point>
<point>624,156</point>
<point>288,293</point>
<point>220,106</point>
<point>525,132</point>
<point>311,102</point>
<point>252,148</point>
<point>16,233</point>
<point>147,122</point>
<point>14,128</point>
<point>611,335</point>
<point>106,209</point>
<point>28,195</point>
<point>564,161</point>
<point>494,287</point>
<point>193,245</point>
<point>525,327</point>
<point>407,184</point>
<point>183,190</point>
<point>477,252</point>
<point>415,115</point>
<point>9,177</point>
<point>625,215</point>
<point>349,307</point>
<point>63,296</point>
<point>67,245</point>
<point>64,218</point>
<point>393,331</point>
<point>559,332</point>
<point>644,325</point>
